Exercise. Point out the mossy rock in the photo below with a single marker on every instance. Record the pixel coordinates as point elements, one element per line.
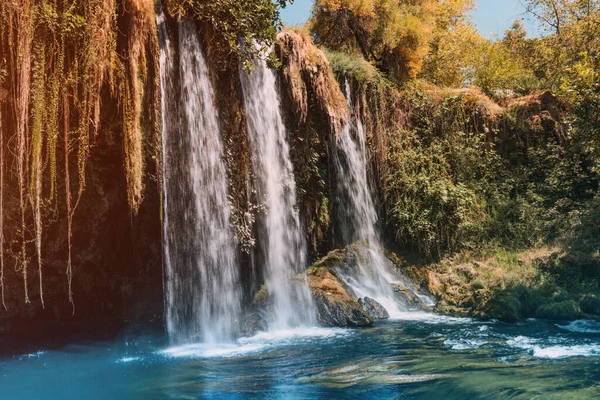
<point>590,304</point>
<point>563,310</point>
<point>334,304</point>
<point>331,259</point>
<point>512,305</point>
<point>261,300</point>
<point>504,307</point>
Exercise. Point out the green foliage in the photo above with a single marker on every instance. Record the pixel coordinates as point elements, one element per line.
<point>437,181</point>
<point>590,304</point>
<point>505,308</point>
<point>354,67</point>
<point>497,69</point>
<point>563,310</point>
<point>243,28</point>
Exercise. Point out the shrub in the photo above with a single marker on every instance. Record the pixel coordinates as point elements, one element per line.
<point>527,299</point>
<point>505,307</point>
<point>564,310</point>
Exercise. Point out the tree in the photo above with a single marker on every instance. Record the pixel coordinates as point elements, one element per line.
<point>556,14</point>
<point>240,25</point>
<point>454,44</point>
<point>392,34</point>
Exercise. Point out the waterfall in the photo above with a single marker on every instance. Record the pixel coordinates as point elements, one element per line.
<point>357,215</point>
<point>202,284</point>
<point>283,248</point>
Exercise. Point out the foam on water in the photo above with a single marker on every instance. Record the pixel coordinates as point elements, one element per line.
<point>126,360</point>
<point>582,326</point>
<point>203,350</point>
<point>464,344</point>
<point>566,351</point>
<point>429,318</point>
<point>555,348</point>
<point>292,335</point>
<point>254,344</point>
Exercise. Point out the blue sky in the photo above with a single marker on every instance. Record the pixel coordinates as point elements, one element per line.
<point>491,16</point>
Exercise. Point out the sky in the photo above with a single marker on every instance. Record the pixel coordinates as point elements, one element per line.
<point>492,17</point>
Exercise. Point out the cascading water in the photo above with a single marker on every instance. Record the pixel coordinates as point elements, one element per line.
<point>202,285</point>
<point>357,215</point>
<point>283,249</point>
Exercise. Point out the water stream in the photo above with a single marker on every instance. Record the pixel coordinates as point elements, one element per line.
<point>357,216</point>
<point>428,357</point>
<point>202,278</point>
<point>283,247</point>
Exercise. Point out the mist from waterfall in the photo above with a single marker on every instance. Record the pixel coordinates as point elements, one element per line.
<point>202,283</point>
<point>282,246</point>
<point>357,214</point>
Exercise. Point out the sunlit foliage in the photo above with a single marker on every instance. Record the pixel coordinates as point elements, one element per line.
<point>394,35</point>
<point>243,28</point>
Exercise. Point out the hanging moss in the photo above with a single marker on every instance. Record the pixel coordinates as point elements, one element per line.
<point>59,59</point>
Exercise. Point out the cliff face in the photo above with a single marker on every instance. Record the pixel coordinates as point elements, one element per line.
<point>116,254</point>
<point>80,209</point>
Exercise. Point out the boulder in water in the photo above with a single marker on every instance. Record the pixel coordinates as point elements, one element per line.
<point>373,308</point>
<point>251,324</point>
<point>335,305</point>
<point>408,298</point>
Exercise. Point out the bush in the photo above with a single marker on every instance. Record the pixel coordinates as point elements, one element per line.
<point>527,299</point>
<point>438,176</point>
<point>564,310</point>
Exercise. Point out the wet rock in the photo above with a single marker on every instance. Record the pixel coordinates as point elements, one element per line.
<point>252,323</point>
<point>373,308</point>
<point>334,304</point>
<point>408,298</point>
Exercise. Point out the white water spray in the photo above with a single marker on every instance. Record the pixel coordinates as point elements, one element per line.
<point>284,248</point>
<point>358,217</point>
<point>202,284</point>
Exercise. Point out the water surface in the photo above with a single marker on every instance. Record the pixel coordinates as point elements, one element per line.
<point>423,357</point>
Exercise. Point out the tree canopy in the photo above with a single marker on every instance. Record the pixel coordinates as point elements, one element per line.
<point>392,34</point>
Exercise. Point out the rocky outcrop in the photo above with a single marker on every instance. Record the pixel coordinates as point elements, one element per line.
<point>373,308</point>
<point>335,303</point>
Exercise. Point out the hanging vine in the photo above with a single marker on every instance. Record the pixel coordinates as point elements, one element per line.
<point>1,204</point>
<point>142,30</point>
<point>35,180</point>
<point>58,56</point>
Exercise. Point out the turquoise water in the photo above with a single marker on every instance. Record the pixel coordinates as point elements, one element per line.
<point>425,357</point>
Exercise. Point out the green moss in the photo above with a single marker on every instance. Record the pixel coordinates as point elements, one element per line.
<point>331,258</point>
<point>262,297</point>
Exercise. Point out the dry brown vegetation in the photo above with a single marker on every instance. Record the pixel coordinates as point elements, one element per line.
<point>307,69</point>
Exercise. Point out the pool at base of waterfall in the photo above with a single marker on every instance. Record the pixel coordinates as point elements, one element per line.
<point>423,357</point>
